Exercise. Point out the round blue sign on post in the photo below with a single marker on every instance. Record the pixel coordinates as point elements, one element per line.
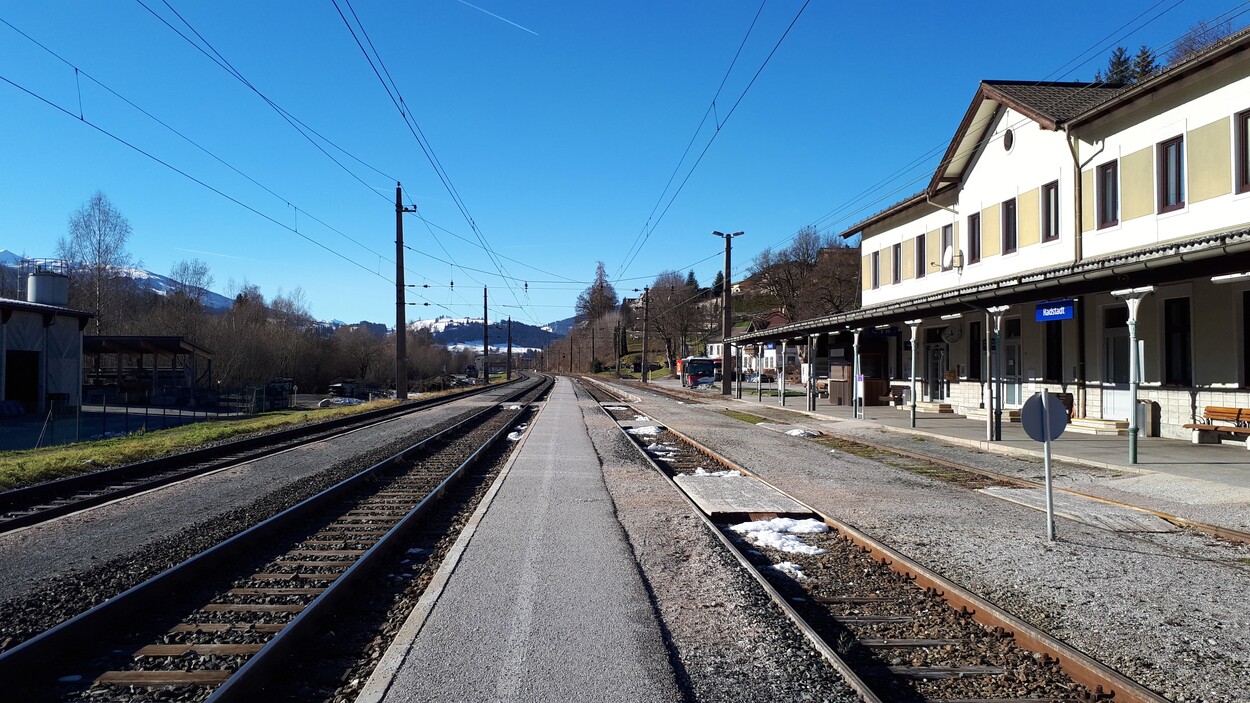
<point>1032,417</point>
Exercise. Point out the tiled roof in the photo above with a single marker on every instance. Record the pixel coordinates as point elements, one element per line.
<point>1057,101</point>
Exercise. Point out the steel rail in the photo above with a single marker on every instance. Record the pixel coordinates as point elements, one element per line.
<point>38,656</point>
<point>1082,668</point>
<point>1225,533</point>
<point>209,459</point>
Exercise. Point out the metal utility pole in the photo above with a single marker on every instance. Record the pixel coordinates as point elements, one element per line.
<point>401,309</point>
<point>727,360</point>
<point>509,377</point>
<point>1133,297</point>
<point>620,341</point>
<point>485,340</point>
<point>646,321</point>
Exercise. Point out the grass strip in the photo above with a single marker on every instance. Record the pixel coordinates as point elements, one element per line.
<point>745,417</point>
<point>27,467</point>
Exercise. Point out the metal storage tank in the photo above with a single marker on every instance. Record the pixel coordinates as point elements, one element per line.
<point>47,288</point>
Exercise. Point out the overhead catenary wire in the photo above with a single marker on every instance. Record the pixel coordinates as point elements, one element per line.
<point>633,255</point>
<point>393,92</point>
<point>80,72</point>
<point>297,124</point>
<point>190,177</point>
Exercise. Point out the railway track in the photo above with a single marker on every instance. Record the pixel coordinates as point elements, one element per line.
<point>896,630</point>
<point>32,505</point>
<point>224,623</point>
<point>975,477</point>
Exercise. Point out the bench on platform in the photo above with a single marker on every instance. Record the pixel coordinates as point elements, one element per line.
<point>1235,422</point>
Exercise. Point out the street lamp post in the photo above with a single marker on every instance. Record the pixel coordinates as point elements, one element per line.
<point>913,324</point>
<point>996,378</point>
<point>856,411</point>
<point>1133,297</point>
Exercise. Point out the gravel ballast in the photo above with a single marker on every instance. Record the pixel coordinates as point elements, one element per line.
<point>1165,609</point>
<point>727,640</point>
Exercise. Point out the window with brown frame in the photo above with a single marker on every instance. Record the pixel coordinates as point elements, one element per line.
<point>1107,194</point>
<point>896,263</point>
<point>1009,226</point>
<point>1050,211</point>
<point>948,242</point>
<point>1171,174</point>
<point>920,256</point>
<point>876,270</point>
<point>1243,151</point>
<point>974,238</point>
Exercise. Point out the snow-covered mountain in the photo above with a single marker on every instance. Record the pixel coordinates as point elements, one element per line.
<point>466,332</point>
<point>155,282</point>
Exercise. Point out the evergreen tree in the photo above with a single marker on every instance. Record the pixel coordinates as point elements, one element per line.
<point>1119,68</point>
<point>718,284</point>
<point>691,281</point>
<point>1144,65</point>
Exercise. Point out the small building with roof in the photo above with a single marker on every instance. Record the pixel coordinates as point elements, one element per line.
<point>41,345</point>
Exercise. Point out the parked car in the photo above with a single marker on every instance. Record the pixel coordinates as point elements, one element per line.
<point>760,378</point>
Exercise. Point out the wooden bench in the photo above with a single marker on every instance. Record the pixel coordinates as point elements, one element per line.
<point>1237,424</point>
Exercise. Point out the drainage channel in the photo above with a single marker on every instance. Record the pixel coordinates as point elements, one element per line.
<point>895,630</point>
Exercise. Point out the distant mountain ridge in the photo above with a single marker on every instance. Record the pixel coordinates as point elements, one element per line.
<point>155,282</point>
<point>467,332</point>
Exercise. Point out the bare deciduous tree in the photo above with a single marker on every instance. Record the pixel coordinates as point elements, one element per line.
<point>193,278</point>
<point>1197,39</point>
<point>675,313</point>
<point>815,275</point>
<point>96,244</point>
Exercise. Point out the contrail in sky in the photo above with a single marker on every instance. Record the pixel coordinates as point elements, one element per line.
<point>514,24</point>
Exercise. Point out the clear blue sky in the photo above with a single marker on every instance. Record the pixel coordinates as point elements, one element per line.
<point>558,123</point>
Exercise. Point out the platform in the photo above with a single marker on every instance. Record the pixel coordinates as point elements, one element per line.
<point>546,602</point>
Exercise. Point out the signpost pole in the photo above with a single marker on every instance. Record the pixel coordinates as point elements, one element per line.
<point>1050,504</point>
<point>781,377</point>
<point>759,374</point>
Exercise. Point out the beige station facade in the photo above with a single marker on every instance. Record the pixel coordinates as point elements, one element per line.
<point>1050,198</point>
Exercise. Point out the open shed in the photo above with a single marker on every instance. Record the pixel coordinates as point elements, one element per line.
<point>145,370</point>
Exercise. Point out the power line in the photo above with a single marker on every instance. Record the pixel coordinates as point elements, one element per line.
<point>188,176</point>
<point>78,71</point>
<point>297,124</point>
<point>393,92</point>
<point>649,231</point>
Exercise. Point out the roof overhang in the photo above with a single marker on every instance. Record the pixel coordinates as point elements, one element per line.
<point>1210,255</point>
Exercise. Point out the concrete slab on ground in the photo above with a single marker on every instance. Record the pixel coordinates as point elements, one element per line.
<point>720,495</point>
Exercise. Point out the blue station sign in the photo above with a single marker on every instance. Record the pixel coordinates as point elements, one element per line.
<point>1056,310</point>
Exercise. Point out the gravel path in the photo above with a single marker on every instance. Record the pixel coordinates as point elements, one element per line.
<point>1166,609</point>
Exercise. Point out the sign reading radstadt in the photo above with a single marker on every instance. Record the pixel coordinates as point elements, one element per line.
<point>1056,310</point>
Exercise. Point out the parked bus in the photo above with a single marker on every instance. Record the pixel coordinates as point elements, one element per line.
<point>697,370</point>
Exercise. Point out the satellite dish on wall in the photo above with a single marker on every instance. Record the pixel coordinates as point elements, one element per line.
<point>948,257</point>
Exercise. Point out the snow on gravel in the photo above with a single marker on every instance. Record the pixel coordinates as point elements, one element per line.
<point>782,534</point>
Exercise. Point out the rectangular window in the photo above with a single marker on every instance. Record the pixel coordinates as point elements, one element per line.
<point>1054,351</point>
<point>1242,142</point>
<point>1009,226</point>
<point>1050,211</point>
<point>1177,367</point>
<point>896,261</point>
<point>1107,194</point>
<point>875,271</point>
<point>948,244</point>
<point>974,238</point>
<point>920,256</point>
<point>1171,174</point>
<point>976,350</point>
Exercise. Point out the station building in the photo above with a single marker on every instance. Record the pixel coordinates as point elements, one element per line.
<point>1052,201</point>
<point>41,346</point>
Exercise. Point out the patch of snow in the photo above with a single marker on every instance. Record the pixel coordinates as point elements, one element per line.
<point>615,407</point>
<point>515,436</point>
<point>790,569</point>
<point>779,533</point>
<point>802,433</point>
<point>727,472</point>
<point>512,407</point>
<point>641,418</point>
<point>649,431</point>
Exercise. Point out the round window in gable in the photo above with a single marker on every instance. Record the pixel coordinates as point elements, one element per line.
<point>1009,140</point>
